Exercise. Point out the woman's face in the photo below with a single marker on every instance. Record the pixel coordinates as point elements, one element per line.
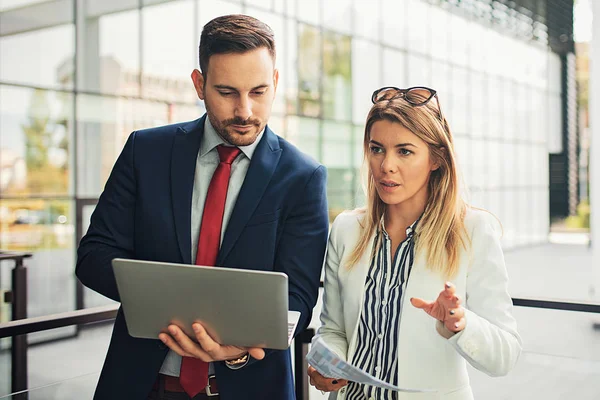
<point>400,164</point>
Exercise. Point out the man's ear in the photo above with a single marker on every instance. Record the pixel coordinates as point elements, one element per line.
<point>275,79</point>
<point>199,82</point>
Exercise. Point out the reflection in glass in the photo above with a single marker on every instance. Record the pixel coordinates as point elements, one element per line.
<point>11,4</point>
<point>365,77</point>
<point>35,128</point>
<point>209,9</point>
<point>104,123</point>
<point>119,58</point>
<point>337,15</point>
<point>46,228</point>
<point>309,61</point>
<point>47,60</point>
<point>169,55</point>
<point>337,76</point>
<point>309,11</point>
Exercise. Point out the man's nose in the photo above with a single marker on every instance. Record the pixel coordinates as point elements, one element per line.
<point>243,109</point>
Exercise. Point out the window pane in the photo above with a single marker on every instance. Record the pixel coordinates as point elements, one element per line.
<point>367,19</point>
<point>104,124</point>
<point>393,27</point>
<point>309,11</point>
<point>209,9</point>
<point>305,133</point>
<point>289,71</point>
<point>10,4</point>
<point>119,58</point>
<point>337,157</point>
<point>365,77</point>
<point>264,4</point>
<point>39,58</point>
<point>35,141</point>
<point>394,68</point>
<point>419,70</point>
<point>417,33</point>
<point>309,62</point>
<point>337,77</point>
<point>169,55</point>
<point>45,228</point>
<point>438,29</point>
<point>337,15</point>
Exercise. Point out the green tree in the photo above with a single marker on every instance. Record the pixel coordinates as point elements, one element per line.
<point>41,138</point>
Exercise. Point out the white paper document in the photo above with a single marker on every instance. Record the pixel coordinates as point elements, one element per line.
<point>324,360</point>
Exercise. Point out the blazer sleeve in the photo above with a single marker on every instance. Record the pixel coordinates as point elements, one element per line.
<point>111,230</point>
<point>332,329</point>
<point>490,341</point>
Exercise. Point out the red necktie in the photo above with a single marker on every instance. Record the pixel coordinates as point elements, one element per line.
<point>193,374</point>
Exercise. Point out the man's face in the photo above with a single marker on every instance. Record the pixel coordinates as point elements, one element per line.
<point>238,91</point>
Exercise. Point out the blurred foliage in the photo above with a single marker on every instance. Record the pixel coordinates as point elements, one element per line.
<point>582,219</point>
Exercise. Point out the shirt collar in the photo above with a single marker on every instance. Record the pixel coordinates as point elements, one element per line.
<point>211,139</point>
<point>409,229</point>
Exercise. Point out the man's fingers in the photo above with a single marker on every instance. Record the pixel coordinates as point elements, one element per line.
<point>206,342</point>
<point>187,345</point>
<point>173,345</point>
<point>256,353</point>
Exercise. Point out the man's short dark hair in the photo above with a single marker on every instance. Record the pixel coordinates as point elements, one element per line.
<point>234,34</point>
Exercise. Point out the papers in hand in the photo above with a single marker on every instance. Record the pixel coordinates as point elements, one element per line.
<point>329,364</point>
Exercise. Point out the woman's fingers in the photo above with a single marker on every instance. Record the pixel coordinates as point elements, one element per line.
<point>455,325</point>
<point>419,303</point>
<point>325,384</point>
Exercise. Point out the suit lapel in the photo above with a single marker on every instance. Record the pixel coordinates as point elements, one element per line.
<point>183,170</point>
<point>261,169</point>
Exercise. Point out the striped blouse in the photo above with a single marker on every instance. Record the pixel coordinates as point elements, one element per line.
<point>377,342</point>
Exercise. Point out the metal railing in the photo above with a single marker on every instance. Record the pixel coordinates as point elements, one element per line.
<point>17,296</point>
<point>19,328</point>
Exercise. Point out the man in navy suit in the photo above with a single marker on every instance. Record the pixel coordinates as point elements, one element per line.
<point>274,218</point>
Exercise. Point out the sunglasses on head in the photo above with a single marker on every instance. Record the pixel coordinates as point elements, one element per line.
<point>417,96</point>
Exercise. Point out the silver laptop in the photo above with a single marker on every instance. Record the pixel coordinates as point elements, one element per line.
<point>236,306</point>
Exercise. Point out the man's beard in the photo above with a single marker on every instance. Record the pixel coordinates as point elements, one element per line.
<point>223,129</point>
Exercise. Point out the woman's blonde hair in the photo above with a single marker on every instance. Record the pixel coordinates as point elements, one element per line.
<point>441,229</point>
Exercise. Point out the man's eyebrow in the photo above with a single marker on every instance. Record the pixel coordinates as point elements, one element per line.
<point>227,87</point>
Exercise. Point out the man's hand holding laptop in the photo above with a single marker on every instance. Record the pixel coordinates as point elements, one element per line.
<point>206,349</point>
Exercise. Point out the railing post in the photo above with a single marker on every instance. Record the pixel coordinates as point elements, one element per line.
<point>300,365</point>
<point>19,343</point>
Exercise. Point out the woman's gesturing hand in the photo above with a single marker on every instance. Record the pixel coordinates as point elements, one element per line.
<point>446,308</point>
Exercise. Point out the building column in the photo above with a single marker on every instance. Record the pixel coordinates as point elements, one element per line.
<point>594,166</point>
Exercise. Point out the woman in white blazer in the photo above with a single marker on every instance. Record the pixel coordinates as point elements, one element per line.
<point>415,283</point>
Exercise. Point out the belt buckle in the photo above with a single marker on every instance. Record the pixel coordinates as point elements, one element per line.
<point>209,393</point>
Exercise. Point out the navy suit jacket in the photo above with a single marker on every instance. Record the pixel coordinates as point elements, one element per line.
<point>279,223</point>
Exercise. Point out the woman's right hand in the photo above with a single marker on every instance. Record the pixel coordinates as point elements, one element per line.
<point>325,384</point>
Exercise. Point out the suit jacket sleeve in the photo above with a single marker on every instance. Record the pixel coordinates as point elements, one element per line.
<point>490,341</point>
<point>111,230</point>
